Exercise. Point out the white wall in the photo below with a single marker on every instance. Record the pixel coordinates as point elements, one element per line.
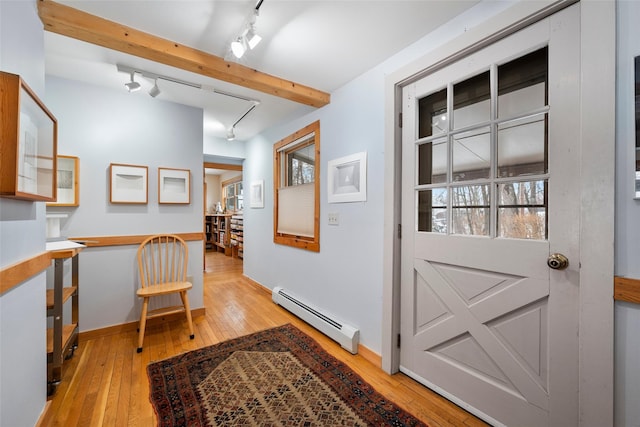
<point>627,246</point>
<point>214,194</point>
<point>23,353</point>
<point>345,278</point>
<point>129,128</point>
<point>223,148</point>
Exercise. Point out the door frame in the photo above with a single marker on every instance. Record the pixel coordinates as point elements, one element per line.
<point>597,100</point>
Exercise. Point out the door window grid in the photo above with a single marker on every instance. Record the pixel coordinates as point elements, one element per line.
<point>467,209</point>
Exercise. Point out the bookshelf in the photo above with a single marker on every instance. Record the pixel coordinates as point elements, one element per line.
<point>217,231</point>
<point>237,235</point>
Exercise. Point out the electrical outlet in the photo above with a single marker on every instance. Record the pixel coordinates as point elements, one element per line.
<point>334,218</point>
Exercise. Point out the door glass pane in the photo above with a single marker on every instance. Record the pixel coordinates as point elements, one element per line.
<point>470,210</point>
<point>432,114</point>
<point>487,140</point>
<point>522,210</point>
<point>472,155</point>
<point>432,162</point>
<point>522,146</point>
<point>471,101</point>
<point>432,210</point>
<point>522,84</point>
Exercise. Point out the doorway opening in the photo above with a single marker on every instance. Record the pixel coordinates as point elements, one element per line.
<point>223,222</point>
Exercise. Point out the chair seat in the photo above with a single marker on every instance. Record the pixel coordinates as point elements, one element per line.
<point>163,288</point>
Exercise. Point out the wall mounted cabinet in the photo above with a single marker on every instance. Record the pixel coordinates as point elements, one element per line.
<point>29,143</point>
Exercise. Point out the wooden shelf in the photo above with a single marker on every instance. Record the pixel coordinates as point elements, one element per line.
<point>68,332</point>
<point>67,293</point>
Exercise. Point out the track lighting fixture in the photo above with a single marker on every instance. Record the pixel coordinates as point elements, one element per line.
<point>133,85</point>
<point>239,47</point>
<point>155,90</point>
<point>248,38</point>
<point>252,37</point>
<point>231,132</point>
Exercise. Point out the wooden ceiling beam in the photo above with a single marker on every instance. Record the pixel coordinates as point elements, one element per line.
<point>74,23</point>
<point>223,166</point>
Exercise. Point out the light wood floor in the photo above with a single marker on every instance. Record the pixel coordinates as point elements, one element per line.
<point>106,384</point>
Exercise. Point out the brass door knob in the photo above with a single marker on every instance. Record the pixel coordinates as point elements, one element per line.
<point>557,261</point>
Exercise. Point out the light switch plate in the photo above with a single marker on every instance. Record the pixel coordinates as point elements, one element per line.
<point>334,218</point>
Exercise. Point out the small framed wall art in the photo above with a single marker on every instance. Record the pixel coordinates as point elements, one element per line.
<point>68,174</point>
<point>347,179</point>
<point>129,184</point>
<point>257,194</point>
<point>174,186</point>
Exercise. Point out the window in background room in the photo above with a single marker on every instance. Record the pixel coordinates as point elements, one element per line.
<point>233,194</point>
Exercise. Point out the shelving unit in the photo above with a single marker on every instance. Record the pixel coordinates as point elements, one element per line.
<point>208,233</point>
<point>62,339</point>
<point>217,233</point>
<point>237,235</point>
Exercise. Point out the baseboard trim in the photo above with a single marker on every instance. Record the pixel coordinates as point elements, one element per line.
<point>370,355</point>
<point>44,415</point>
<point>132,326</point>
<point>258,285</point>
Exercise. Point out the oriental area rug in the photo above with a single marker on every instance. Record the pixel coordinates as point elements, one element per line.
<point>276,377</point>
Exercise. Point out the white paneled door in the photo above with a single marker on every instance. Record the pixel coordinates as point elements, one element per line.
<point>490,288</point>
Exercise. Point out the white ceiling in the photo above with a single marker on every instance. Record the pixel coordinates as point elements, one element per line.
<point>318,43</point>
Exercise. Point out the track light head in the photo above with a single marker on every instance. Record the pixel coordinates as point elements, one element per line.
<point>253,38</point>
<point>230,134</point>
<point>133,85</point>
<point>155,90</point>
<point>239,47</point>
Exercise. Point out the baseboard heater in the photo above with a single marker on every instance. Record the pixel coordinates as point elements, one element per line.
<point>347,336</point>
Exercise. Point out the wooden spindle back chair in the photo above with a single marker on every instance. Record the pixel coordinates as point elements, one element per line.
<point>162,265</point>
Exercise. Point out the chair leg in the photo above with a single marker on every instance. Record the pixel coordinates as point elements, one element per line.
<point>143,323</point>
<point>187,309</point>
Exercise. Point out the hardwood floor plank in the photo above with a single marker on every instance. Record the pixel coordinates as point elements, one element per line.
<point>111,403</point>
<point>106,383</point>
<point>76,407</point>
<point>107,378</point>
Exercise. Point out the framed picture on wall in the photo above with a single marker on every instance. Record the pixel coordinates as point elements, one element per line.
<point>257,194</point>
<point>347,179</point>
<point>68,192</point>
<point>174,186</point>
<point>129,184</point>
